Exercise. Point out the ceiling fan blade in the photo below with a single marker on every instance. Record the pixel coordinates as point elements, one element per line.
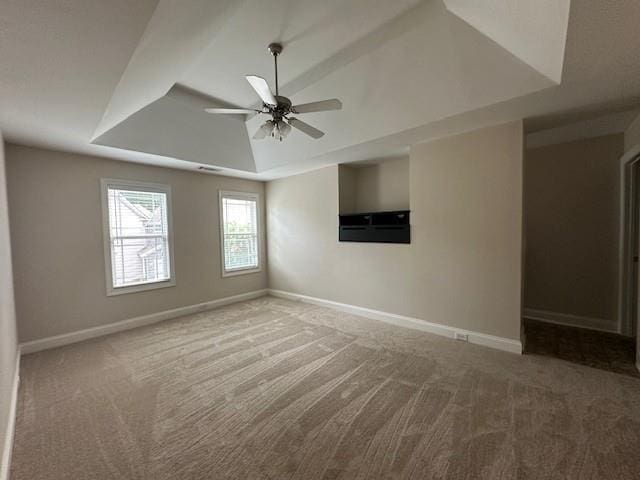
<point>261,87</point>
<point>242,111</point>
<point>305,128</point>
<point>322,106</point>
<point>264,130</point>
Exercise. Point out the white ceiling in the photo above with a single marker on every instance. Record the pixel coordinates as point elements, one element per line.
<point>588,128</point>
<point>436,67</point>
<point>60,62</point>
<point>535,32</point>
<point>312,32</point>
<point>177,32</point>
<point>121,73</point>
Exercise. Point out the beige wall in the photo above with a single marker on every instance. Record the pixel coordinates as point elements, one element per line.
<point>56,230</point>
<point>8,337</point>
<point>632,135</point>
<point>463,266</point>
<point>571,210</point>
<point>347,189</point>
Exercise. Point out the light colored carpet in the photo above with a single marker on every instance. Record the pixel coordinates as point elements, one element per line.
<point>273,389</point>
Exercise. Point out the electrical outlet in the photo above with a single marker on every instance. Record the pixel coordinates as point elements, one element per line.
<point>463,337</point>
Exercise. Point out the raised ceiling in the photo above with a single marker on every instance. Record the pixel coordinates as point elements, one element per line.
<point>312,33</point>
<point>130,79</point>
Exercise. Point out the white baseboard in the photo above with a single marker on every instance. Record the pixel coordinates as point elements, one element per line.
<point>500,343</point>
<point>571,320</point>
<point>11,424</point>
<point>80,335</point>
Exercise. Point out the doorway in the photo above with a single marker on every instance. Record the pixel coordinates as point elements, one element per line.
<point>581,224</point>
<point>629,297</point>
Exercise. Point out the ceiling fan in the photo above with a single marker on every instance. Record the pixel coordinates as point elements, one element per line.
<point>280,108</point>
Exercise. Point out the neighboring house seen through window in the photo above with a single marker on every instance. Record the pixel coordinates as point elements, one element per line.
<point>240,232</point>
<point>137,236</point>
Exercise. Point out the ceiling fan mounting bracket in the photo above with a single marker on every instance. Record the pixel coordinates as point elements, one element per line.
<point>275,49</point>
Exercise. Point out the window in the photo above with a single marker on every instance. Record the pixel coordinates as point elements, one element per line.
<point>137,231</point>
<point>239,231</point>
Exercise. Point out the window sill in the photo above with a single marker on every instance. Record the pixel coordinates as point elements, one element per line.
<point>240,271</point>
<point>142,287</point>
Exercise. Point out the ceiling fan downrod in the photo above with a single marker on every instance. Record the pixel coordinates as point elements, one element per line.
<point>275,49</point>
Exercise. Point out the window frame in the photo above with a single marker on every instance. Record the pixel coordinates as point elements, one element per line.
<point>105,184</point>
<point>251,196</point>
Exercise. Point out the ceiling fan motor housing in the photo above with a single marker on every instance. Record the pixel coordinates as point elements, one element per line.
<point>283,108</point>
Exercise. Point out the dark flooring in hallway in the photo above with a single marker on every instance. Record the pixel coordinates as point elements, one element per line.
<point>603,350</point>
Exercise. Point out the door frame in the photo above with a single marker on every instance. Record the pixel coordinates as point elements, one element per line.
<point>628,239</point>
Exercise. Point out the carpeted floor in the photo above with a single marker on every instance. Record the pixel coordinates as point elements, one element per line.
<point>273,389</point>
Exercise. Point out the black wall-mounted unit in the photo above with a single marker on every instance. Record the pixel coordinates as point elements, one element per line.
<point>379,227</point>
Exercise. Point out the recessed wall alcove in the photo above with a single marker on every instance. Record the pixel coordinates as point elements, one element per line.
<point>374,201</point>
<point>374,186</point>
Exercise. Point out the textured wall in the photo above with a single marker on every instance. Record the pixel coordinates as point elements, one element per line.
<point>56,223</point>
<point>571,211</point>
<point>463,266</point>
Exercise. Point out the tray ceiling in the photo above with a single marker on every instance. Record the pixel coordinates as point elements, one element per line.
<point>130,79</point>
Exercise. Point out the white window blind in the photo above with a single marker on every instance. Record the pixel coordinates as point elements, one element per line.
<point>239,217</point>
<point>138,235</point>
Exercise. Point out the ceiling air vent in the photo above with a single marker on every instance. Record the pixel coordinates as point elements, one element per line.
<point>204,168</point>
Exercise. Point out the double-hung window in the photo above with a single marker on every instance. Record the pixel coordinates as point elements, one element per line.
<point>137,236</point>
<point>240,238</point>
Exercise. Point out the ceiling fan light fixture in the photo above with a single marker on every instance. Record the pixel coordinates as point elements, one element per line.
<point>265,129</point>
<point>281,130</point>
<point>284,128</point>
